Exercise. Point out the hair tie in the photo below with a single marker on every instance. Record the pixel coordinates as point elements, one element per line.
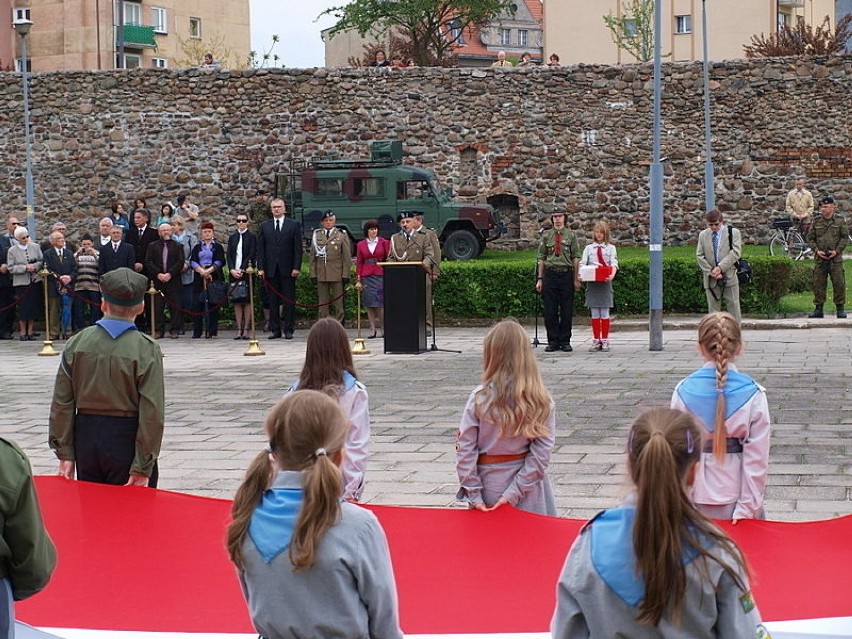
<point>689,443</point>
<point>720,391</point>
<point>268,447</point>
<point>320,452</point>
<point>630,441</point>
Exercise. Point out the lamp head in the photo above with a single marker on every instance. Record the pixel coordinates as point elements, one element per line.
<point>22,26</point>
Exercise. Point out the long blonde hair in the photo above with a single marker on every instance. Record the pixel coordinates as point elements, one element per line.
<point>719,335</point>
<point>662,447</point>
<point>513,393</point>
<point>306,431</point>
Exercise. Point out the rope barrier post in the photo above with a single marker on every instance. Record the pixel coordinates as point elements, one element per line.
<point>254,346</point>
<point>359,348</point>
<point>152,331</point>
<point>47,348</point>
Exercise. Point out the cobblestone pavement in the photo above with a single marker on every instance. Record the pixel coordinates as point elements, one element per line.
<point>217,398</point>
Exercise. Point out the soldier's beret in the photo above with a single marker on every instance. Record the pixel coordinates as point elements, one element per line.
<point>827,200</point>
<point>327,214</point>
<point>124,287</point>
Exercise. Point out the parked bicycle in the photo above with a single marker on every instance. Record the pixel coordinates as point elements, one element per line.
<point>786,240</point>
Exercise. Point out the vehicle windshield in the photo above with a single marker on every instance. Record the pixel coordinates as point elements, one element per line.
<point>435,186</point>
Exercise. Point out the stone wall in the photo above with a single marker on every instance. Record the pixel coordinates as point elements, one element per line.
<point>576,137</point>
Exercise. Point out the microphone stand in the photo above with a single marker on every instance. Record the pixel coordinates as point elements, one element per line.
<point>434,347</point>
<point>535,340</point>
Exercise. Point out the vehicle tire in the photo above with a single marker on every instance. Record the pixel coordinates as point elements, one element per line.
<point>777,246</point>
<point>461,245</point>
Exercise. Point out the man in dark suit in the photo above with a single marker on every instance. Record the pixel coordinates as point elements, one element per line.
<point>60,261</point>
<point>279,262</point>
<point>141,235</point>
<point>164,262</point>
<point>116,254</point>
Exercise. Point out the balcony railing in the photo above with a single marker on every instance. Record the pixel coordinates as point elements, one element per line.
<point>137,36</point>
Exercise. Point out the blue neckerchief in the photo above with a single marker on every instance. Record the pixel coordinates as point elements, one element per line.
<point>349,381</point>
<point>115,327</point>
<point>698,393</point>
<point>613,557</point>
<point>274,519</point>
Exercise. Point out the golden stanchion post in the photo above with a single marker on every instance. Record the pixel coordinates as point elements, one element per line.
<point>151,293</point>
<point>47,347</point>
<point>254,345</point>
<point>359,348</point>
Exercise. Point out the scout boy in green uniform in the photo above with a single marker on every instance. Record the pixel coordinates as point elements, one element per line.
<point>558,278</point>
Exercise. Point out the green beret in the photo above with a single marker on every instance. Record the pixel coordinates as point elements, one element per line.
<point>124,287</point>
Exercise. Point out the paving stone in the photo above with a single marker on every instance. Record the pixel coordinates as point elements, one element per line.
<point>417,400</point>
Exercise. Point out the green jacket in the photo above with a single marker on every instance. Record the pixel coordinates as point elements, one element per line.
<point>27,555</point>
<point>831,234</point>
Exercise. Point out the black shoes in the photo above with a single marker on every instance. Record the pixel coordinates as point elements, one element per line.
<point>275,336</point>
<point>841,313</point>
<point>567,348</point>
<point>817,314</point>
<point>288,334</point>
<point>550,348</point>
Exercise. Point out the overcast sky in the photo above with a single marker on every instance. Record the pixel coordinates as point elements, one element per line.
<point>294,22</point>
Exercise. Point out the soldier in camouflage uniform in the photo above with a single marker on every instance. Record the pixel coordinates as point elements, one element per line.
<point>827,238</point>
<point>331,264</point>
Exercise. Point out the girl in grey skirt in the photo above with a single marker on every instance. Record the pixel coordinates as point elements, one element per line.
<point>599,294</point>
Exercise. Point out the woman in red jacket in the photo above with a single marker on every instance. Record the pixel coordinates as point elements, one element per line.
<point>368,274</point>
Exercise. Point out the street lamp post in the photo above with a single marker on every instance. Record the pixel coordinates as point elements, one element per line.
<point>709,170</point>
<point>22,28</point>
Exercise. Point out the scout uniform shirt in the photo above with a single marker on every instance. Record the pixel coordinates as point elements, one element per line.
<point>561,258</point>
<point>331,255</point>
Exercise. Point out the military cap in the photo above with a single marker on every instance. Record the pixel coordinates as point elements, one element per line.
<point>827,200</point>
<point>124,287</point>
<point>327,214</point>
<point>407,215</point>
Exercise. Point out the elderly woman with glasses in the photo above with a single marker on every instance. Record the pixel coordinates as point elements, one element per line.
<point>242,250</point>
<point>24,260</point>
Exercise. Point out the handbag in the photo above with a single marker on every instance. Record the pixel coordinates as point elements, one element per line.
<point>744,272</point>
<point>238,293</point>
<point>216,293</point>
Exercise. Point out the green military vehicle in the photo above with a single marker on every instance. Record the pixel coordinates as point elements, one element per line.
<point>379,188</point>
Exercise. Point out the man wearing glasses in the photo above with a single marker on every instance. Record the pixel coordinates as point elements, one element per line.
<point>279,262</point>
<point>7,293</point>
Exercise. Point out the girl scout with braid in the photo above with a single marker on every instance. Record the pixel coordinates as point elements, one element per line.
<point>310,564</point>
<point>656,568</point>
<point>732,409</point>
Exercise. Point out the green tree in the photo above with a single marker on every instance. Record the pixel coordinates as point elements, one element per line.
<point>431,26</point>
<point>633,30</point>
<point>267,58</point>
<point>193,50</point>
<point>803,39</point>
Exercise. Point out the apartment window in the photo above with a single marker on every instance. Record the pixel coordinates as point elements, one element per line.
<point>505,37</point>
<point>158,20</point>
<point>783,20</point>
<point>683,24</point>
<point>132,13</point>
<point>131,61</point>
<point>159,63</point>
<point>19,65</point>
<point>20,13</point>
<point>523,37</point>
<point>630,27</point>
<point>195,28</point>
<point>455,32</point>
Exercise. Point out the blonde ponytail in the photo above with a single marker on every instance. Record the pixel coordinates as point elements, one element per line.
<point>719,335</point>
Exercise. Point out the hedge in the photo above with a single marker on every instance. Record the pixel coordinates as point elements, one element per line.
<point>489,289</point>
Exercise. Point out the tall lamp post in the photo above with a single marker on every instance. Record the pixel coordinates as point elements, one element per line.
<point>709,171</point>
<point>22,28</point>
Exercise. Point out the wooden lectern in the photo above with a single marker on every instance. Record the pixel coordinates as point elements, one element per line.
<point>405,307</point>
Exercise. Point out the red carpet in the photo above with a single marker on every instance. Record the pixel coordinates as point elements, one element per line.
<point>138,559</point>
